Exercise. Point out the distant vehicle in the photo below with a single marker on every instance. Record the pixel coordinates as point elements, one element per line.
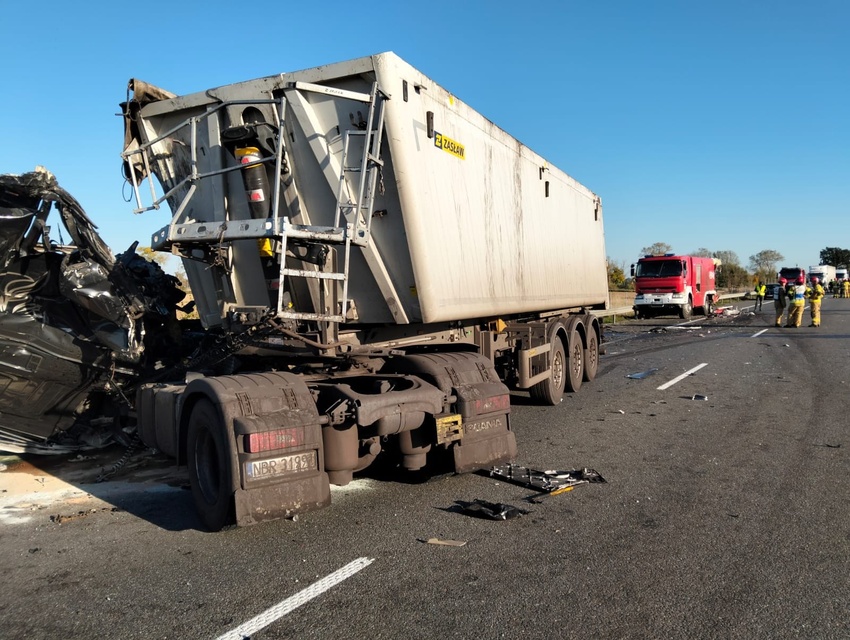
<point>791,274</point>
<point>840,273</point>
<point>825,273</point>
<point>672,283</point>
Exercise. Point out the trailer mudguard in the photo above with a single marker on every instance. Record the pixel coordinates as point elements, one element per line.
<point>480,398</point>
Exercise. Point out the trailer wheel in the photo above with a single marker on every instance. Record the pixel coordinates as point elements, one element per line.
<point>686,309</point>
<point>551,390</point>
<point>591,356</point>
<point>209,467</point>
<point>575,361</point>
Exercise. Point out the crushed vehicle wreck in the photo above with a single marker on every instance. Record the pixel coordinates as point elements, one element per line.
<point>374,265</point>
<point>79,327</point>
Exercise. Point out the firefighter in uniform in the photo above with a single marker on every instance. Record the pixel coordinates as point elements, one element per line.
<point>780,300</point>
<point>797,295</point>
<point>845,288</point>
<point>815,294</point>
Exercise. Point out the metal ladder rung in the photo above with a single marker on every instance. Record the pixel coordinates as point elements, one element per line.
<point>320,275</point>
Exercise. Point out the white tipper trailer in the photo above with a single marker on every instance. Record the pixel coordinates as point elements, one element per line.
<point>376,266</point>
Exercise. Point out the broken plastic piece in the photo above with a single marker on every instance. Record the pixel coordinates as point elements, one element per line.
<point>641,375</point>
<point>698,396</point>
<point>490,510</point>
<point>444,543</point>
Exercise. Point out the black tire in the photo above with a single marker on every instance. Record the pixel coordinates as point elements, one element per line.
<point>208,458</point>
<point>708,307</point>
<point>575,361</point>
<point>638,314</point>
<point>591,356</point>
<point>686,309</point>
<point>551,390</point>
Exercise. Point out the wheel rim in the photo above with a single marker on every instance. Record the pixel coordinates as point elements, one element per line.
<point>592,354</point>
<point>577,365</point>
<point>558,370</point>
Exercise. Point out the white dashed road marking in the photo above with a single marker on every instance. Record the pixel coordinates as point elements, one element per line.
<point>667,385</point>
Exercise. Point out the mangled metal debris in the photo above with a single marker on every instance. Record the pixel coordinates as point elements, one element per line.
<point>489,510</point>
<point>78,326</point>
<point>544,481</point>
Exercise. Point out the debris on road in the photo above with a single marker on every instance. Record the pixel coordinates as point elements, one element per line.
<point>444,543</point>
<point>641,375</point>
<point>698,396</point>
<point>489,510</point>
<point>545,481</point>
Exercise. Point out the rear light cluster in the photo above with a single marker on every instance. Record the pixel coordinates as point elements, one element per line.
<point>274,440</point>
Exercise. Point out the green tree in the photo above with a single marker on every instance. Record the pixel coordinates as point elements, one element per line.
<point>733,276</point>
<point>835,256</point>
<point>616,275</point>
<point>764,264</point>
<point>657,249</point>
<point>727,257</point>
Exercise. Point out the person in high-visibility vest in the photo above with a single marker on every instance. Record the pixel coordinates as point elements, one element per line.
<point>797,303</point>
<point>845,288</point>
<point>761,289</point>
<point>780,300</point>
<point>815,294</point>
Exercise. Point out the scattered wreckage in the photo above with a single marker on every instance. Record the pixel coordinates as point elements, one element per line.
<point>79,327</point>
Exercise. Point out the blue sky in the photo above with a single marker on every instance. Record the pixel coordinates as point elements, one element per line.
<point>721,124</point>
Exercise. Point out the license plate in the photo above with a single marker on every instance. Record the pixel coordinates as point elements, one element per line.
<point>280,466</point>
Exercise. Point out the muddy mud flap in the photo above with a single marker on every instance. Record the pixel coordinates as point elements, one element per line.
<point>479,432</point>
<point>272,446</point>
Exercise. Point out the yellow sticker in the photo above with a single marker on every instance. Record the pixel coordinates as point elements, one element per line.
<point>451,146</point>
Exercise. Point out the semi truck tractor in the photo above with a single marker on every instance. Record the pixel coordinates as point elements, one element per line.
<point>375,266</point>
<point>674,284</point>
<point>825,273</point>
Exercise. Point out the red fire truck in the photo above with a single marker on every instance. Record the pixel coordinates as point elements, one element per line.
<point>674,284</point>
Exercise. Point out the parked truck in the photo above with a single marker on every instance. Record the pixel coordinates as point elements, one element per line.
<point>792,274</point>
<point>375,266</point>
<point>674,284</point>
<point>840,273</point>
<point>825,273</point>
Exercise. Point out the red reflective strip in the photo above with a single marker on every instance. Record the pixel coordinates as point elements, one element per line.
<point>272,440</point>
<point>496,403</point>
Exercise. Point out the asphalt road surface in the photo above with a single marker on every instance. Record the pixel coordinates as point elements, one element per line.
<point>726,514</point>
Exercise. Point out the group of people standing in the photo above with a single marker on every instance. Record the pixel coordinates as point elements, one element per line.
<point>793,296</point>
<point>839,288</point>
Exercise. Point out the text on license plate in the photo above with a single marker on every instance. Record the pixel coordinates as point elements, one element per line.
<point>282,465</point>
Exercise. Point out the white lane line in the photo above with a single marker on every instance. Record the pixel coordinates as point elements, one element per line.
<point>247,629</point>
<point>756,335</point>
<point>667,385</point>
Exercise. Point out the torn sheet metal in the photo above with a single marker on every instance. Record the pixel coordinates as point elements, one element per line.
<point>544,481</point>
<point>489,510</point>
<point>77,324</point>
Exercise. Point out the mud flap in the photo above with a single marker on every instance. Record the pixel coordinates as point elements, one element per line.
<point>282,500</point>
<point>482,402</point>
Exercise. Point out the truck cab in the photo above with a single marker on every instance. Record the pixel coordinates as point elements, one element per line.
<point>673,283</point>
